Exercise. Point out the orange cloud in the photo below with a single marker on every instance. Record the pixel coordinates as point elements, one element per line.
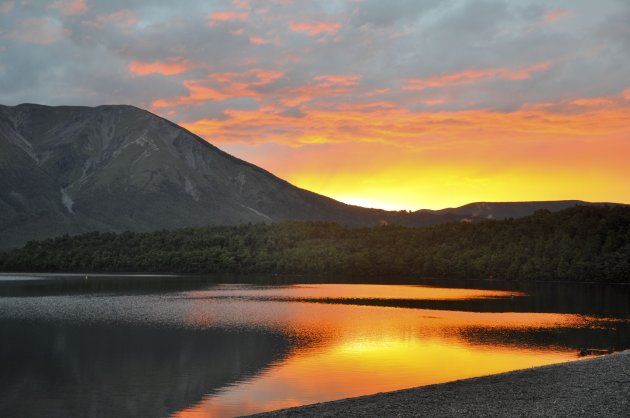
<point>433,102</point>
<point>121,17</point>
<point>470,76</point>
<point>387,122</point>
<point>256,40</point>
<point>294,96</point>
<point>593,102</point>
<point>553,15</point>
<point>228,15</point>
<point>264,77</point>
<point>172,66</point>
<point>222,86</point>
<point>384,155</point>
<point>315,28</point>
<point>70,7</point>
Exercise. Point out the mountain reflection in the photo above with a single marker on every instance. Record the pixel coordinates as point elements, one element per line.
<point>101,370</point>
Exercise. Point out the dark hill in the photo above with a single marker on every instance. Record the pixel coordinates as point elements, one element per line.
<point>583,243</point>
<point>504,210</point>
<point>69,170</point>
<point>116,168</point>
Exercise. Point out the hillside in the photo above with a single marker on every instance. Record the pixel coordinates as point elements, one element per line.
<point>70,170</point>
<point>117,168</point>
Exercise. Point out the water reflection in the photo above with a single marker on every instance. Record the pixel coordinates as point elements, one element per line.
<point>106,370</point>
<point>356,350</point>
<point>231,349</point>
<point>341,292</point>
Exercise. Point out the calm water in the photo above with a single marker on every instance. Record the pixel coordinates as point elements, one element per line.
<point>190,347</point>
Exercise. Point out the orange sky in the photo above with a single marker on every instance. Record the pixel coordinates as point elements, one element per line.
<point>379,154</point>
<point>397,105</point>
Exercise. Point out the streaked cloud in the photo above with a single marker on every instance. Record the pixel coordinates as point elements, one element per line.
<point>339,80</point>
<point>70,7</point>
<point>315,28</point>
<point>222,86</point>
<point>556,14</point>
<point>352,98</point>
<point>471,76</point>
<point>37,30</point>
<point>123,17</point>
<point>171,66</point>
<point>228,15</point>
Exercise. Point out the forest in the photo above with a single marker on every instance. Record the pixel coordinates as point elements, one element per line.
<point>584,243</point>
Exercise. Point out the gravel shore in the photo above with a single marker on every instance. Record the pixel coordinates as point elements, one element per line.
<point>593,387</point>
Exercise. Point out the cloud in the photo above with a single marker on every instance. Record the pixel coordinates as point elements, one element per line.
<point>7,6</point>
<point>405,74</point>
<point>315,28</point>
<point>553,15</point>
<point>337,80</point>
<point>37,30</point>
<point>293,112</point>
<point>221,86</point>
<point>386,122</point>
<point>123,17</point>
<point>172,66</point>
<point>227,15</point>
<point>471,76</point>
<point>256,40</point>
<point>593,102</point>
<point>70,7</point>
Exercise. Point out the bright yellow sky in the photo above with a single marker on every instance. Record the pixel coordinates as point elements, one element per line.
<point>544,152</point>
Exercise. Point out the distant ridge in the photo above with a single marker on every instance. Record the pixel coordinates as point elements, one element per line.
<point>503,210</point>
<point>74,169</point>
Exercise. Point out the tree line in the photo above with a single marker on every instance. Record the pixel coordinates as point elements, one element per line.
<point>584,243</point>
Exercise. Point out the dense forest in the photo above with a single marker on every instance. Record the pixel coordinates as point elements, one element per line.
<point>584,243</point>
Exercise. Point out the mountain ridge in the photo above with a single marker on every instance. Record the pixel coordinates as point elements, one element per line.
<point>74,169</point>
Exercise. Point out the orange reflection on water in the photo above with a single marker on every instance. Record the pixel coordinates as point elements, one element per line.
<point>354,368</point>
<point>359,291</point>
<point>352,350</point>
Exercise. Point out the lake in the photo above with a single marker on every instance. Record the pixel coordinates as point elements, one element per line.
<point>123,346</point>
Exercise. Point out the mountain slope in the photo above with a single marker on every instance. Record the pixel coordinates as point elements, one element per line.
<point>114,168</point>
<point>75,169</point>
<point>503,210</point>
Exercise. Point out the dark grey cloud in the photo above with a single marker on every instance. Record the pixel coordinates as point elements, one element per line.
<point>84,58</point>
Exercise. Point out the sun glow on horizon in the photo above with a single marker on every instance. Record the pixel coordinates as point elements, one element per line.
<point>357,100</point>
<point>384,155</point>
<point>590,167</point>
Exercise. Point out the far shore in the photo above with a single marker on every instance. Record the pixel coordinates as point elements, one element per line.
<point>592,387</point>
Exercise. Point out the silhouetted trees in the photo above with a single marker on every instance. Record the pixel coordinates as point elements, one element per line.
<point>585,243</point>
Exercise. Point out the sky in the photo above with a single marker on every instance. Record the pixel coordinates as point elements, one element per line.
<point>398,104</point>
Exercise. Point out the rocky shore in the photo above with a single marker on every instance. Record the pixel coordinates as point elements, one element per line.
<point>592,387</point>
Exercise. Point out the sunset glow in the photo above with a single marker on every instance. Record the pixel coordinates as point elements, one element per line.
<point>356,350</point>
<point>402,106</point>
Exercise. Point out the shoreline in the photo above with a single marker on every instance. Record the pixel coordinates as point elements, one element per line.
<point>295,277</point>
<point>598,386</point>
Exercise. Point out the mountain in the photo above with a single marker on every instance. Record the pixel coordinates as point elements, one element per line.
<point>115,168</point>
<point>504,210</point>
<point>70,169</point>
